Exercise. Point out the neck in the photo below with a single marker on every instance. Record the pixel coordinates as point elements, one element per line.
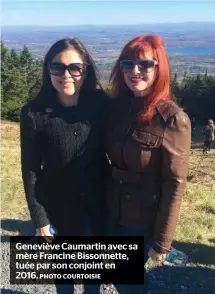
<point>68,100</point>
<point>143,93</point>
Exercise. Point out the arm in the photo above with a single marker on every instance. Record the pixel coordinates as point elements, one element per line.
<point>175,161</point>
<point>31,166</point>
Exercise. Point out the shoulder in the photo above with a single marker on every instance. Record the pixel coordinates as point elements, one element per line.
<point>100,100</point>
<point>32,110</point>
<point>38,106</point>
<point>32,106</point>
<point>27,121</point>
<point>172,113</point>
<point>27,109</point>
<point>118,103</point>
<point>167,109</point>
<point>101,95</point>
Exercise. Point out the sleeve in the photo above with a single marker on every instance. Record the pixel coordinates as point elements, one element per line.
<point>31,166</point>
<point>175,162</point>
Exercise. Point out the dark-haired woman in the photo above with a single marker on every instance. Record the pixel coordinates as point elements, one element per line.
<point>148,143</point>
<point>63,161</point>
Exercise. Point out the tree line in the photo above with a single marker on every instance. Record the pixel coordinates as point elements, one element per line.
<point>21,80</point>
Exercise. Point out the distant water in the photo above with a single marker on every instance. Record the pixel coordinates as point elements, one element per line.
<point>195,51</point>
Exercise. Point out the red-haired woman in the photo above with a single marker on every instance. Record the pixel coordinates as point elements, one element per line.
<point>148,143</point>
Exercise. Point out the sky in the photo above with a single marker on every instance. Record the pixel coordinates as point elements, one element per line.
<point>104,12</point>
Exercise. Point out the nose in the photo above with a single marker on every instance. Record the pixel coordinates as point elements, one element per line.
<point>136,69</point>
<point>67,74</point>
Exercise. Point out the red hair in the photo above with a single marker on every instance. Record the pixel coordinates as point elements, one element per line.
<point>161,86</point>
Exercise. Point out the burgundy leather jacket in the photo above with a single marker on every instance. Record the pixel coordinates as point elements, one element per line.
<point>149,167</point>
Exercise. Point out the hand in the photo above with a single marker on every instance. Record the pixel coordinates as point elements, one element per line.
<point>44,232</point>
<point>155,256</point>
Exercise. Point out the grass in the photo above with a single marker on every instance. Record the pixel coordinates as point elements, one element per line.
<point>195,232</point>
<point>13,203</point>
<point>197,215</point>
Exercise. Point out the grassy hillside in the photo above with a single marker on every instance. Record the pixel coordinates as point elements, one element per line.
<point>195,232</point>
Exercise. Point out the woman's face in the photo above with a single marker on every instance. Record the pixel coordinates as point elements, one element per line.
<point>138,80</point>
<point>66,81</point>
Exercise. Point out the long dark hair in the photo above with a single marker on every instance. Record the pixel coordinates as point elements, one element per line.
<point>92,78</point>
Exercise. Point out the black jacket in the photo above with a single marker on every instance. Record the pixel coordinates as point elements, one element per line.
<point>62,158</point>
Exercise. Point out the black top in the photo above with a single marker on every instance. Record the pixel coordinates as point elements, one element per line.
<point>60,146</point>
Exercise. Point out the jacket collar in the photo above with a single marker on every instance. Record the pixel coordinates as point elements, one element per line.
<point>167,109</point>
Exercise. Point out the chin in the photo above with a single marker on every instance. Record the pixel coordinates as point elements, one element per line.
<point>138,89</point>
<point>68,93</point>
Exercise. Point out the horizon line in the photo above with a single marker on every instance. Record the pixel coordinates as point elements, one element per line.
<point>79,25</point>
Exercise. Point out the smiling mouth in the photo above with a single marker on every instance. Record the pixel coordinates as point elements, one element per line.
<point>66,83</point>
<point>136,80</point>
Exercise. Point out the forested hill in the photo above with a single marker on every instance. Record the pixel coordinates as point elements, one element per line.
<point>21,80</point>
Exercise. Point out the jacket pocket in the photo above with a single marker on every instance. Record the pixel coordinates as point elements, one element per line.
<point>146,139</point>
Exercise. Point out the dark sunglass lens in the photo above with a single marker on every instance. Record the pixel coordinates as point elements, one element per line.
<point>76,68</point>
<point>126,65</point>
<point>57,68</point>
<point>146,63</point>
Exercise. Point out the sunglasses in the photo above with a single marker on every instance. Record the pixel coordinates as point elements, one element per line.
<point>75,69</point>
<point>145,66</point>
